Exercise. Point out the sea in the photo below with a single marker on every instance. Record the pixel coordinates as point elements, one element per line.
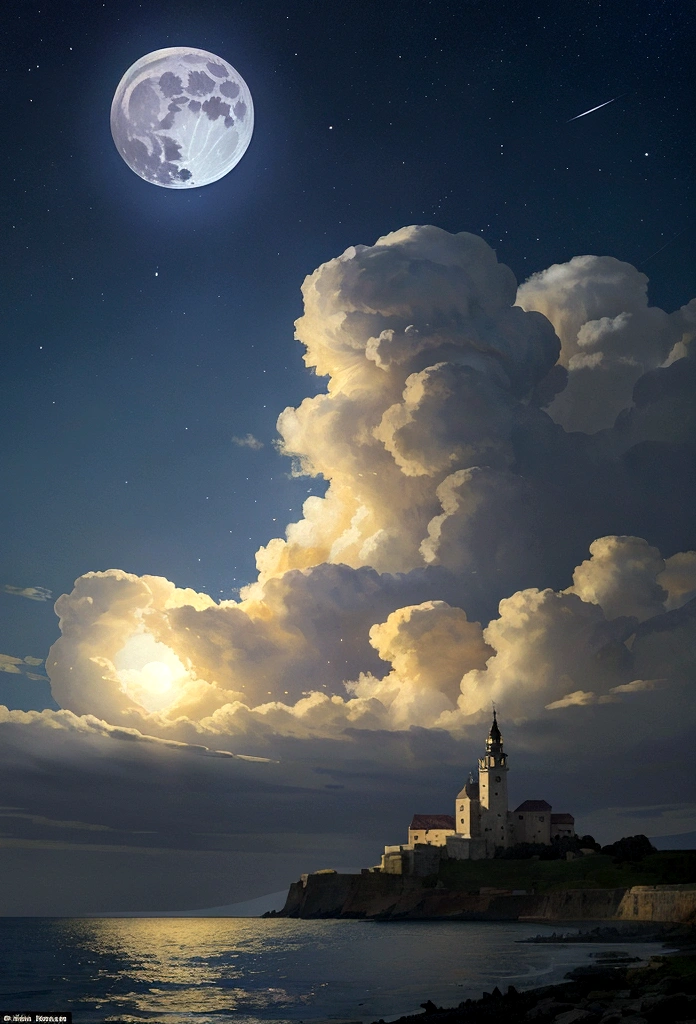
<point>266,971</point>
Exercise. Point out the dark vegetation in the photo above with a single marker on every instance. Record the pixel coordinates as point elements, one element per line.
<point>556,851</point>
<point>621,865</point>
<point>630,848</point>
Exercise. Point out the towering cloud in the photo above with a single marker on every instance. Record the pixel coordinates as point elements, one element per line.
<point>451,492</point>
<point>508,518</point>
<point>427,358</point>
<point>609,335</point>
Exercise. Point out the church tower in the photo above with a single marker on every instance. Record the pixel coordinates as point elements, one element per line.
<point>493,790</point>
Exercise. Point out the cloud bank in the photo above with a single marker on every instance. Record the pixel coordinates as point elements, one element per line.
<point>458,504</point>
<point>507,518</point>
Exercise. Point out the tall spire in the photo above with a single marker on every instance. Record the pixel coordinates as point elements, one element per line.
<point>493,789</point>
<point>494,743</point>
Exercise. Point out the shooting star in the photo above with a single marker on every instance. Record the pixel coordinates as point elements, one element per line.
<point>592,110</point>
<point>678,234</point>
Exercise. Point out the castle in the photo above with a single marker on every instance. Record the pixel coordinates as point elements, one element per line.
<point>481,821</point>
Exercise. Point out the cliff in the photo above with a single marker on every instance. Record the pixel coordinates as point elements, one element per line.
<point>384,897</point>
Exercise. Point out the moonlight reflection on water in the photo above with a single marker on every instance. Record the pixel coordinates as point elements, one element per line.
<point>172,971</point>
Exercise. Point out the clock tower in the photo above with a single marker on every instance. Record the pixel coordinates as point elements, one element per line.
<point>493,793</point>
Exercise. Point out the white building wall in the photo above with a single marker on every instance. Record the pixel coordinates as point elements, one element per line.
<point>466,816</point>
<point>494,802</point>
<point>429,836</point>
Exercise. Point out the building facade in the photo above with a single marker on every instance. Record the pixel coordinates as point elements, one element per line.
<point>481,821</point>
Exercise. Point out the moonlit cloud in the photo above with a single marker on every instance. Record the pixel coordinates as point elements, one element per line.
<point>248,441</point>
<point>621,576</point>
<point>679,579</point>
<point>429,580</point>
<point>507,518</point>
<point>32,593</point>
<point>10,664</point>
<point>578,698</point>
<point>609,335</point>
<point>20,666</point>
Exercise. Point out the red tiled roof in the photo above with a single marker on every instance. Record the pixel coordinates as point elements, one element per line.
<point>562,819</point>
<point>533,805</point>
<point>426,821</point>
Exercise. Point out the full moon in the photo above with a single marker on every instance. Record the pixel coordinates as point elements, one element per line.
<point>182,117</point>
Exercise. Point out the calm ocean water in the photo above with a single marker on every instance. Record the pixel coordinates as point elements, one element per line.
<point>251,971</point>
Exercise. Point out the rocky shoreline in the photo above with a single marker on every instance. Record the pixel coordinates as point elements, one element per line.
<point>613,990</point>
<point>679,935</point>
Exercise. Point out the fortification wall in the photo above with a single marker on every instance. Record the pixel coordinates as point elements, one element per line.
<point>402,897</point>
<point>659,903</point>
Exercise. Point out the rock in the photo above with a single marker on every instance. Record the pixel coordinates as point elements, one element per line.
<point>576,1016</point>
<point>547,1009</point>
<point>670,1008</point>
<point>430,1006</point>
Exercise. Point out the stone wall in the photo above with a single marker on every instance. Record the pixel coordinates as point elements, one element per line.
<point>404,897</point>
<point>659,903</point>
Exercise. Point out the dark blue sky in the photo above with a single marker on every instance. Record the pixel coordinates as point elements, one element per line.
<point>123,389</point>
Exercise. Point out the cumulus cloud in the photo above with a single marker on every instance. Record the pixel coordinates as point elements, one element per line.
<point>430,646</point>
<point>450,494</point>
<point>548,646</point>
<point>32,593</point>
<point>305,657</point>
<point>429,433</point>
<point>470,547</point>
<point>126,639</point>
<point>248,441</point>
<point>427,358</point>
<point>621,576</point>
<point>679,579</point>
<point>609,335</point>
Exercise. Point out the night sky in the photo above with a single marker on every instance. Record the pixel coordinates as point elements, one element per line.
<point>148,350</point>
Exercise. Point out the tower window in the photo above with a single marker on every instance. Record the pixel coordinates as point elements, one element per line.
<point>541,818</point>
